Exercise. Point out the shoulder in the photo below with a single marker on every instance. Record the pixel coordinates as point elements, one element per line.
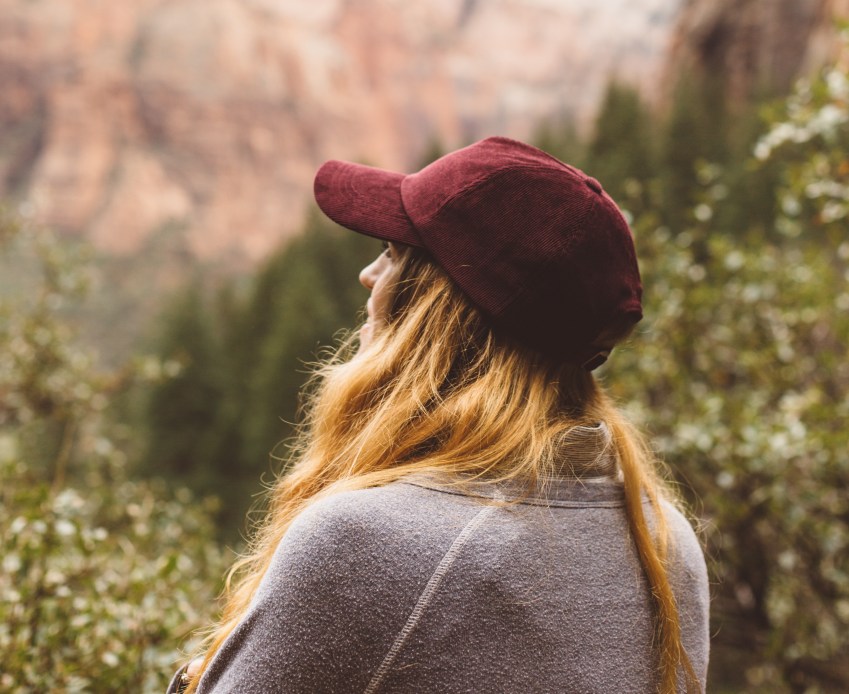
<point>397,509</point>
<point>342,582</point>
<point>686,548</point>
<point>689,577</point>
<point>353,536</point>
<point>688,572</point>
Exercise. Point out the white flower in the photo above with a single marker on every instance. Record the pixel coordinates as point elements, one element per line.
<point>65,528</point>
<point>787,559</point>
<point>703,212</point>
<point>838,85</point>
<point>734,260</point>
<point>790,205</point>
<point>11,563</point>
<point>8,447</point>
<point>68,500</point>
<point>828,118</point>
<point>725,479</point>
<point>762,150</point>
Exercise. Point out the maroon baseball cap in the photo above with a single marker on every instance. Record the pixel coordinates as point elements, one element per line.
<point>535,244</point>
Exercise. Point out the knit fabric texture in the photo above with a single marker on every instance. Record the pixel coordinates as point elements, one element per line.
<point>427,585</point>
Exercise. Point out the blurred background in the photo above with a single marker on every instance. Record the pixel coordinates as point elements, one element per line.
<point>165,281</point>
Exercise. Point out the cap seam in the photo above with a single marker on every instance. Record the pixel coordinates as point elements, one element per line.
<point>477,183</point>
<point>573,169</point>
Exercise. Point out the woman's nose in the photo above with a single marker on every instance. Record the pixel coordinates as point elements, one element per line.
<point>367,276</point>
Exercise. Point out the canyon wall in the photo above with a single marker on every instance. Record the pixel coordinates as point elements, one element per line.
<point>207,118</point>
<point>756,46</point>
<point>204,120</point>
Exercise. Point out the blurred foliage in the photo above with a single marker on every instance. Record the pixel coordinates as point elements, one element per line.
<point>242,352</point>
<point>810,134</point>
<point>621,149</point>
<point>695,130</point>
<point>559,137</point>
<point>101,576</point>
<point>741,373</point>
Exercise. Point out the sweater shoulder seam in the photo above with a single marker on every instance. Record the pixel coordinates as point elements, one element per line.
<point>426,597</point>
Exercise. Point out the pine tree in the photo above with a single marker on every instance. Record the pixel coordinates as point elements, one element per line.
<point>243,361</point>
<point>315,292</point>
<point>749,186</point>
<point>432,151</point>
<point>181,410</point>
<point>620,151</point>
<point>560,139</point>
<point>694,133</point>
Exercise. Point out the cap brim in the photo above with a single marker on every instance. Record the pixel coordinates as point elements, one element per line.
<point>366,200</point>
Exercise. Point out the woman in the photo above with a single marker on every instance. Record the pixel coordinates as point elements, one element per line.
<point>467,510</point>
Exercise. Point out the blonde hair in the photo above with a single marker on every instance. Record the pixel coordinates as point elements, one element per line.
<point>437,389</point>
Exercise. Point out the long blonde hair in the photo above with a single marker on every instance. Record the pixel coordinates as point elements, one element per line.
<point>437,389</point>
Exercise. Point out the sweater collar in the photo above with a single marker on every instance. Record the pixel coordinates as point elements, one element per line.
<point>588,470</point>
<point>587,453</point>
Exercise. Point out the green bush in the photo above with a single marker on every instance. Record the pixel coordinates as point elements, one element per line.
<point>741,372</point>
<point>101,576</point>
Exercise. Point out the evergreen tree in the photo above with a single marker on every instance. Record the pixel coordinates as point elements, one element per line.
<point>749,187</point>
<point>560,139</point>
<point>316,293</point>
<point>215,424</point>
<point>433,151</point>
<point>620,151</point>
<point>694,133</point>
<point>236,481</point>
<point>181,409</point>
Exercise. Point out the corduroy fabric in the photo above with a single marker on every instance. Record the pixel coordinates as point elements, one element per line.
<point>535,244</point>
<point>424,586</point>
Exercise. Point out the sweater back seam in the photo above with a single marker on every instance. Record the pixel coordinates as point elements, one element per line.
<point>426,597</point>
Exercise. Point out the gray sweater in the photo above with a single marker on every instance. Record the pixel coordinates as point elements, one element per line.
<point>420,587</point>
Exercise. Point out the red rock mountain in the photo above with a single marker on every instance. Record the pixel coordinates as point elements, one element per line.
<point>124,120</point>
<point>756,44</point>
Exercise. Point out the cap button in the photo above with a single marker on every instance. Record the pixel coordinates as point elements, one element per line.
<point>593,184</point>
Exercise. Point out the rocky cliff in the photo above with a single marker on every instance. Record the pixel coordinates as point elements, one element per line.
<point>757,46</point>
<point>206,118</point>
